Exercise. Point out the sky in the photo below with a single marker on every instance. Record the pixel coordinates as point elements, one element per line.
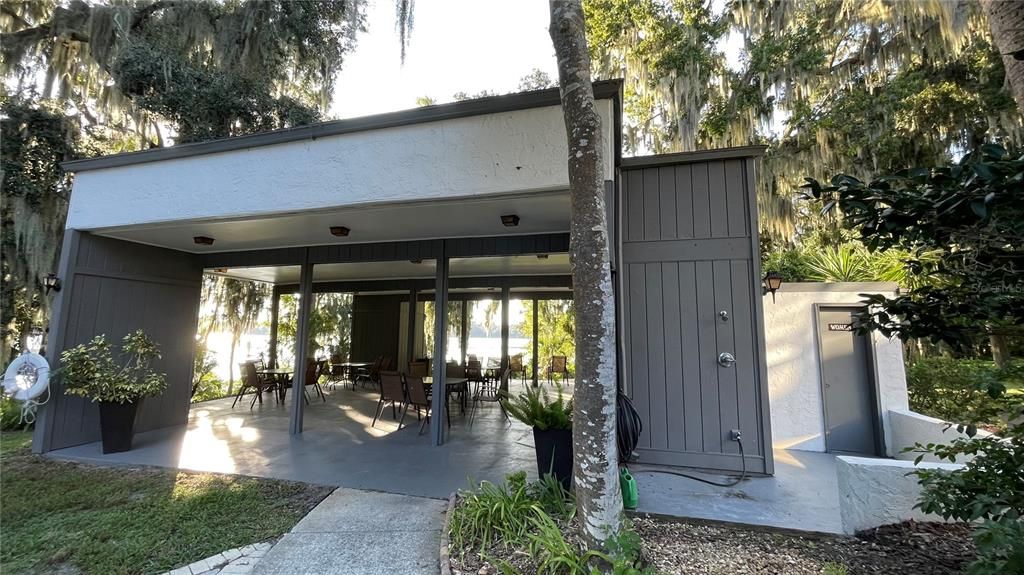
<point>457,46</point>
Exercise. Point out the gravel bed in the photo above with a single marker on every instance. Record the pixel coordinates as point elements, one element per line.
<point>677,547</point>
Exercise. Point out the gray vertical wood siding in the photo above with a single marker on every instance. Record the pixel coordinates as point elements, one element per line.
<point>114,287</point>
<point>688,235</point>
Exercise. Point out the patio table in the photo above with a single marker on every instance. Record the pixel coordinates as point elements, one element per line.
<point>450,384</point>
<point>281,376</point>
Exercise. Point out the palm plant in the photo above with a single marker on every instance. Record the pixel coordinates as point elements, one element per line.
<point>845,263</point>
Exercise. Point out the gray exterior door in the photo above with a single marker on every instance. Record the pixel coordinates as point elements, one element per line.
<point>848,390</point>
<point>692,342</point>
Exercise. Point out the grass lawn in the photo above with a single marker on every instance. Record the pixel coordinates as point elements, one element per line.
<point>68,518</point>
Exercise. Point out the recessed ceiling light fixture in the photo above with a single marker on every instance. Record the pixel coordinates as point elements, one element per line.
<point>542,256</point>
<point>203,240</point>
<point>510,220</point>
<point>340,231</point>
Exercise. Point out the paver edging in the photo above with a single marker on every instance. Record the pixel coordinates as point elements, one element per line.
<point>444,559</point>
<point>219,561</point>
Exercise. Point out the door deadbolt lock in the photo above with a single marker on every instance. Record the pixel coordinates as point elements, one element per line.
<point>724,315</point>
<point>726,359</point>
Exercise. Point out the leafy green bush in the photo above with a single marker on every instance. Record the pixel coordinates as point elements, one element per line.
<point>89,369</point>
<point>532,516</point>
<point>964,390</point>
<point>988,489</point>
<point>556,556</point>
<point>10,415</point>
<point>535,408</point>
<point>205,385</point>
<point>492,513</point>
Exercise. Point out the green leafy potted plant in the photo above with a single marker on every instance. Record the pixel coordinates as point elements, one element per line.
<point>551,421</point>
<point>90,370</point>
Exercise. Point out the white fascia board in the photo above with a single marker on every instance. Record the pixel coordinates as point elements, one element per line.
<point>518,151</point>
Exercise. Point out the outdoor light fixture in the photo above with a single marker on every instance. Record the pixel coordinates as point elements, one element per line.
<point>510,220</point>
<point>340,231</point>
<point>203,240</point>
<point>771,283</point>
<point>51,282</point>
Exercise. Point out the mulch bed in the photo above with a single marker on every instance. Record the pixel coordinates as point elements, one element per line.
<point>676,547</point>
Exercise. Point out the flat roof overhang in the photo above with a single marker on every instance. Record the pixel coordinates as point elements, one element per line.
<point>448,171</point>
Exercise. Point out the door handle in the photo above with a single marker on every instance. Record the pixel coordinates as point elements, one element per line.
<point>726,359</point>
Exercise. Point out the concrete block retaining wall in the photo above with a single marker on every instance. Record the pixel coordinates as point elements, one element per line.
<point>909,427</point>
<point>875,492</point>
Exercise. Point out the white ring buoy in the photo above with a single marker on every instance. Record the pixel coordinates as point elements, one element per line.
<point>27,377</point>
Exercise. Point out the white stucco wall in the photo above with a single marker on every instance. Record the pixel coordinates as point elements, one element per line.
<point>875,492</point>
<point>794,380</point>
<point>909,428</point>
<point>519,151</point>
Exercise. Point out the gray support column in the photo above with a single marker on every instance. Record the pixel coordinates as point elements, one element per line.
<point>42,436</point>
<point>411,336</point>
<point>275,312</point>
<point>536,344</point>
<point>464,336</point>
<point>504,332</point>
<point>301,345</point>
<point>438,403</point>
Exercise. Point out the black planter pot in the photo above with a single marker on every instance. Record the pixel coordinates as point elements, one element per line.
<point>554,454</point>
<point>117,425</point>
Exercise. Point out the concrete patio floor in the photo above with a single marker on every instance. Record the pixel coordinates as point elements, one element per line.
<point>339,447</point>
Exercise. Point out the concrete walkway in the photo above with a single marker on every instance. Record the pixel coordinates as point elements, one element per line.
<point>361,533</point>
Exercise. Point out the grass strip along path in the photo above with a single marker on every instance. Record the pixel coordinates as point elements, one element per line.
<point>69,518</point>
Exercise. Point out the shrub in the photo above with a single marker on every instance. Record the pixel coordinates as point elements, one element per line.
<point>502,513</point>
<point>535,408</point>
<point>89,370</point>
<point>10,415</point>
<point>963,390</point>
<point>989,489</point>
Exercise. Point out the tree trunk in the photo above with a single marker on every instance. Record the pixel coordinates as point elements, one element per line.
<point>595,471</point>
<point>1006,19</point>
<point>1000,351</point>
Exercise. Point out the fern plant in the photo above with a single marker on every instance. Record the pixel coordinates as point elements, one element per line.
<point>535,408</point>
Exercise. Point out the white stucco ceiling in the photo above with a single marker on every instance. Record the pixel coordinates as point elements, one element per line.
<point>546,212</point>
<point>554,264</point>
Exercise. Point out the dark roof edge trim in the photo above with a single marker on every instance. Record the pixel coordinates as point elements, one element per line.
<point>692,157</point>
<point>603,90</point>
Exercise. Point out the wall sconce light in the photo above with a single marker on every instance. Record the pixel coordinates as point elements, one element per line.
<point>340,231</point>
<point>510,220</point>
<point>771,283</point>
<point>51,282</point>
<point>203,240</point>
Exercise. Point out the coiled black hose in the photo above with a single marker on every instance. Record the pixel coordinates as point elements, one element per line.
<point>629,427</point>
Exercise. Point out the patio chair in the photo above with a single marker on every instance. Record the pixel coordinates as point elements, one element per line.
<point>371,374</point>
<point>489,391</point>
<point>559,365</point>
<point>335,374</point>
<point>418,368</point>
<point>516,365</point>
<point>455,370</point>
<point>250,380</point>
<point>452,369</point>
<point>417,398</point>
<point>314,369</point>
<point>391,391</point>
